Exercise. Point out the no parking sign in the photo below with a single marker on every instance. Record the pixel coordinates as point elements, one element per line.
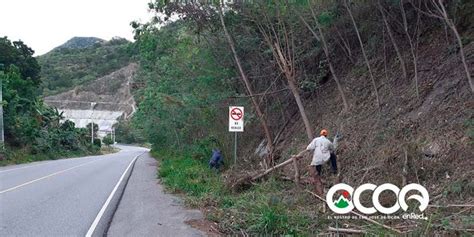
<point>236,119</point>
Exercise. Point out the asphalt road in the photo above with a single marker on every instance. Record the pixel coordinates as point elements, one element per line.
<point>69,197</point>
<point>146,210</point>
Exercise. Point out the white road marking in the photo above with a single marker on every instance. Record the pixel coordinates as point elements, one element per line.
<point>43,163</point>
<point>107,202</point>
<point>23,167</point>
<point>44,177</point>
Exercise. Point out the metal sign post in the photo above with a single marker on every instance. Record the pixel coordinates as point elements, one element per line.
<point>235,148</point>
<point>236,124</point>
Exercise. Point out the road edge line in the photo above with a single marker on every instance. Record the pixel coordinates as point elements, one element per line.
<point>26,166</point>
<point>119,198</point>
<point>45,162</point>
<point>44,177</point>
<point>96,221</point>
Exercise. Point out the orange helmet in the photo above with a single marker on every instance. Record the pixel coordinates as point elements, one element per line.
<point>324,132</point>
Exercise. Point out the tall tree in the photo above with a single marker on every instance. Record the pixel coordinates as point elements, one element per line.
<point>392,38</point>
<point>366,60</point>
<point>19,54</point>
<point>280,40</point>
<point>438,10</point>
<point>322,39</point>
<point>244,78</point>
<point>412,46</point>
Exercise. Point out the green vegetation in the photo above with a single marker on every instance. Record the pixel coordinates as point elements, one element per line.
<point>15,155</point>
<point>184,85</point>
<point>287,62</point>
<point>126,134</point>
<point>33,131</point>
<point>107,140</point>
<point>265,208</point>
<point>66,67</point>
<point>80,42</point>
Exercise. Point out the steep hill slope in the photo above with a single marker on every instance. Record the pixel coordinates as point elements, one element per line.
<point>82,60</point>
<point>110,95</point>
<point>424,140</point>
<point>409,115</point>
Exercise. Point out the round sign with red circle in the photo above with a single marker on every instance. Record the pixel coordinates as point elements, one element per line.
<point>236,114</point>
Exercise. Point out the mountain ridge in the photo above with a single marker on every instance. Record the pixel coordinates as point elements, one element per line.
<point>78,42</point>
<point>68,66</point>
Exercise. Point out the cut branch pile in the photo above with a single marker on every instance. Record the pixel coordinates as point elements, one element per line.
<point>247,180</point>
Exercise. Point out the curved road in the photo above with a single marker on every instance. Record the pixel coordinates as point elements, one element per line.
<point>69,197</point>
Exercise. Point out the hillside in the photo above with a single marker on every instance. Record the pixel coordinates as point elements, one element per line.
<point>81,60</point>
<point>389,76</point>
<point>424,140</point>
<point>111,92</point>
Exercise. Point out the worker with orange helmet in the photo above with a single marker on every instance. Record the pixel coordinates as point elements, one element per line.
<point>324,150</point>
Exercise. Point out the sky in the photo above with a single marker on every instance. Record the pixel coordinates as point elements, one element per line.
<point>45,24</point>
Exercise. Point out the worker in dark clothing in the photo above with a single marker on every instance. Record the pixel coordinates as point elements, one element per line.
<point>216,159</point>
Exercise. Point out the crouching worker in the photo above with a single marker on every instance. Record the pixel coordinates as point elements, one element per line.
<point>216,159</point>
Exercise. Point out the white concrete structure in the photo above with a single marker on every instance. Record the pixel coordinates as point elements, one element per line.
<point>104,118</point>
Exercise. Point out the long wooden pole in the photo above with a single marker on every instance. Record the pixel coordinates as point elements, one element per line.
<point>284,163</point>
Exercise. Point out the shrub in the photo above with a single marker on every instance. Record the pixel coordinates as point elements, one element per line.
<point>97,142</point>
<point>107,141</point>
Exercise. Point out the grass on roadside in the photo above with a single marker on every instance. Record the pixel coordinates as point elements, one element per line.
<point>270,207</point>
<point>12,156</point>
<point>104,150</point>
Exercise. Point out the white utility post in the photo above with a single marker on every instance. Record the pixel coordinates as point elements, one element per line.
<point>92,122</point>
<point>2,136</point>
<point>113,135</point>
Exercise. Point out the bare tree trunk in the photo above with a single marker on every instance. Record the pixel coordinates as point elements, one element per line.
<point>249,88</point>
<point>328,57</point>
<point>451,25</point>
<point>446,34</point>
<point>292,84</point>
<point>346,46</point>
<point>412,48</point>
<point>284,55</point>
<point>405,168</point>
<point>441,13</point>
<point>297,171</point>
<point>392,39</point>
<point>385,56</point>
<point>363,53</point>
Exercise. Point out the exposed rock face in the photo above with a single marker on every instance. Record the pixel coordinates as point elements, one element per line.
<point>104,101</point>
